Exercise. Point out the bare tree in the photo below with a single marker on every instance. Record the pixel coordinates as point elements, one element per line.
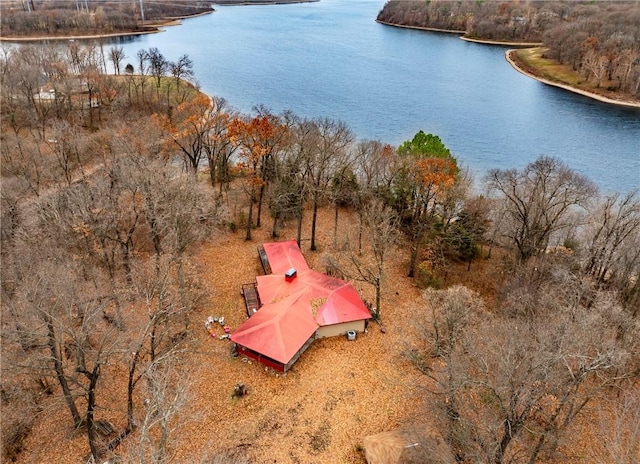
<point>302,139</point>
<point>538,201</point>
<point>72,271</point>
<point>116,55</point>
<point>498,378</point>
<point>37,321</point>
<point>140,79</point>
<point>343,193</point>
<point>167,393</point>
<point>375,165</point>
<point>95,345</point>
<point>612,236</point>
<point>23,160</point>
<point>158,65</point>
<point>453,311</point>
<point>381,228</point>
<point>96,220</point>
<point>21,400</point>
<point>69,146</point>
<point>286,193</point>
<point>10,211</point>
<point>58,320</point>
<point>181,69</point>
<point>326,150</point>
<point>177,212</point>
<point>618,428</point>
<point>159,337</point>
<point>218,147</point>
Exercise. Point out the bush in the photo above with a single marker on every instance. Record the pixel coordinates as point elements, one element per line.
<point>426,277</point>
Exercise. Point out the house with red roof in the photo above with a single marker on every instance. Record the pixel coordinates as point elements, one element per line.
<point>298,305</point>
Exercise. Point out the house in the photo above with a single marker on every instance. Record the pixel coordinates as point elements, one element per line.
<point>299,305</point>
<point>46,93</point>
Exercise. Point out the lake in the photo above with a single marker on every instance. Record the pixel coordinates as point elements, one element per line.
<point>331,58</point>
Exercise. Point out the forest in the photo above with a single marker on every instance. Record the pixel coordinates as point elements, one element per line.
<point>114,182</point>
<point>599,40</point>
<point>29,18</point>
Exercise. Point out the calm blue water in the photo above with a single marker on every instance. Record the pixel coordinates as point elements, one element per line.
<point>332,59</point>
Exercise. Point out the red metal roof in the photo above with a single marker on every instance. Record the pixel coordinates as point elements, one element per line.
<point>278,330</point>
<point>343,305</point>
<point>293,310</point>
<point>332,300</point>
<point>284,256</point>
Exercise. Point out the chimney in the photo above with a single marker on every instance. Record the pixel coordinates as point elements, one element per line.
<point>290,275</point>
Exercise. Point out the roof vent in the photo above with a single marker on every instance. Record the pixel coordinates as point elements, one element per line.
<point>290,275</point>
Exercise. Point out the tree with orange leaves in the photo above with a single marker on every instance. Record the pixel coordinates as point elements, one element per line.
<point>259,139</point>
<point>427,172</point>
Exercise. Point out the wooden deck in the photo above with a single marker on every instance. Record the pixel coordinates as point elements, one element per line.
<point>251,298</point>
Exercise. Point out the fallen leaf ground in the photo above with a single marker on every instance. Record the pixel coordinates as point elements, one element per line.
<point>338,392</point>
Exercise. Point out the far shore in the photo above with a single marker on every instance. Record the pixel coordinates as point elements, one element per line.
<point>259,2</point>
<point>595,96</point>
<point>153,28</point>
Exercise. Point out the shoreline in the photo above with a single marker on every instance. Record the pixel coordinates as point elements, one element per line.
<point>154,28</point>
<point>521,45</point>
<point>467,39</point>
<point>79,37</point>
<point>419,28</point>
<point>506,44</point>
<point>585,93</point>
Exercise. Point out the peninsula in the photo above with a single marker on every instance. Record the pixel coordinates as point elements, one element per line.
<point>562,44</point>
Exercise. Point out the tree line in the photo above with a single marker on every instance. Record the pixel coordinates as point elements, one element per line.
<point>67,17</point>
<point>103,208</point>
<point>599,40</point>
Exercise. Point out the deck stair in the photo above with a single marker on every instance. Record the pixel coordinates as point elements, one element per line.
<point>264,260</point>
<point>251,298</point>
